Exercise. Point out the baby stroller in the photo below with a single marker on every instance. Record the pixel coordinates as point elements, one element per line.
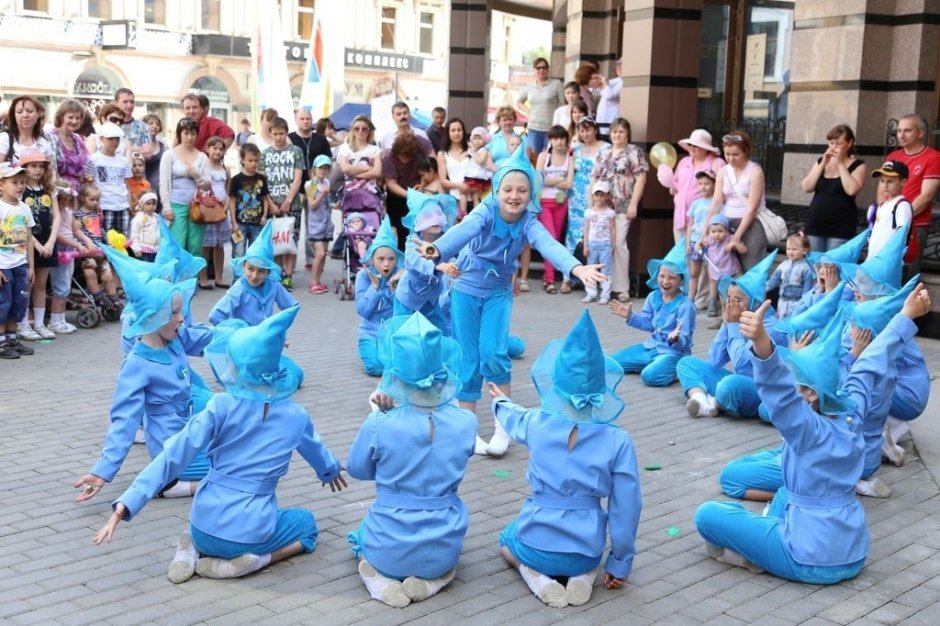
<point>89,313</point>
<point>370,208</point>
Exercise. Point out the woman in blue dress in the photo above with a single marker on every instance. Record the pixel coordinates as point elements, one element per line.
<point>585,152</point>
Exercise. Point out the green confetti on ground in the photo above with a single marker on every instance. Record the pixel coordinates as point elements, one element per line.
<point>672,531</point>
<point>44,341</point>
<point>652,468</point>
<point>502,473</point>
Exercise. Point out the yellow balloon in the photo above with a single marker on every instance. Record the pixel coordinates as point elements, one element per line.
<point>663,152</point>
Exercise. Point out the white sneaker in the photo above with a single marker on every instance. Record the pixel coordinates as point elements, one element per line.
<point>62,328</point>
<point>701,405</point>
<point>602,301</point>
<point>588,299</point>
<point>26,333</point>
<point>874,488</point>
<point>499,443</point>
<point>43,332</point>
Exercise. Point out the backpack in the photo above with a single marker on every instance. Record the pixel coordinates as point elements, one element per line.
<point>912,253</point>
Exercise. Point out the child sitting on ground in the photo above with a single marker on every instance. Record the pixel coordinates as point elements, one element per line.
<point>417,453</point>
<point>695,231</point>
<point>668,315</point>
<point>96,270</point>
<point>599,239</point>
<point>576,458</point>
<point>145,229</point>
<point>793,277</point>
<point>721,261</point>
<point>258,286</point>
<point>359,232</point>
<point>375,292</point>
<point>319,220</point>
<point>479,173</point>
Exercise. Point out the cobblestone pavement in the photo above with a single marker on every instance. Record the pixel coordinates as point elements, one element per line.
<point>53,415</point>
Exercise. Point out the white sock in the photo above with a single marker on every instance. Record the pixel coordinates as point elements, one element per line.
<point>39,315</point>
<point>500,441</point>
<point>212,567</point>
<point>733,558</point>
<point>697,405</point>
<point>579,588</point>
<point>25,319</point>
<point>56,317</point>
<point>183,564</point>
<point>419,589</point>
<point>387,590</point>
<point>898,428</point>
<point>480,446</point>
<point>546,589</point>
<point>182,489</point>
<point>874,487</point>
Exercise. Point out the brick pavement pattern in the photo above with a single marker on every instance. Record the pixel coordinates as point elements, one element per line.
<point>54,414</point>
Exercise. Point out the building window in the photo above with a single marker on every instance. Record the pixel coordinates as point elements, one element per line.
<point>155,12</point>
<point>211,14</point>
<point>99,9</point>
<point>426,33</point>
<point>305,19</point>
<point>40,6</point>
<point>388,28</point>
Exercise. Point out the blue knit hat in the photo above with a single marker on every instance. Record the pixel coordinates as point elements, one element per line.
<point>248,360</point>
<point>875,314</point>
<point>419,362</point>
<point>384,238</point>
<point>808,370</point>
<point>674,262</point>
<point>260,254</point>
<point>880,275</point>
<point>575,379</point>
<point>187,266</point>
<point>721,220</point>
<point>425,211</point>
<point>849,252</point>
<point>816,317</point>
<point>753,282</point>
<point>519,162</point>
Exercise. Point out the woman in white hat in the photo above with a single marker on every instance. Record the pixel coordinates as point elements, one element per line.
<point>703,156</point>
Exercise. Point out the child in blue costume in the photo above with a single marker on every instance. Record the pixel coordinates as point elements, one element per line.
<point>252,297</point>
<point>815,528</point>
<point>576,458</point>
<point>668,315</point>
<point>828,269</point>
<point>489,240</point>
<point>711,388</point>
<point>154,383</point>
<point>251,431</point>
<point>416,453</point>
<point>375,292</point>
<point>423,281</point>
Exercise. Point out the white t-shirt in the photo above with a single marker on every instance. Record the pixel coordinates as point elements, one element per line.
<point>110,173</point>
<point>600,222</point>
<point>17,221</point>
<point>43,144</point>
<point>882,229</point>
<point>365,156</point>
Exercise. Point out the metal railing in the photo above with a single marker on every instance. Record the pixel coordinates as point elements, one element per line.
<point>767,140</point>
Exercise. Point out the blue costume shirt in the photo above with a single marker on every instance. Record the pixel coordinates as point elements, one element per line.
<point>374,306</point>
<point>660,318</point>
<point>250,304</point>
<point>421,285</point>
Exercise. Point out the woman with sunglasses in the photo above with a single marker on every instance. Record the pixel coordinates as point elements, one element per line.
<point>359,158</point>
<point>182,169</point>
<point>25,119</point>
<point>539,100</point>
<point>739,196</point>
<point>109,112</point>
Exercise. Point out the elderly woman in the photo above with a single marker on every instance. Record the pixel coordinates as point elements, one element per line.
<point>703,156</point>
<point>540,98</point>
<point>24,121</point>
<point>400,170</point>
<point>70,152</point>
<point>183,169</point>
<point>499,144</point>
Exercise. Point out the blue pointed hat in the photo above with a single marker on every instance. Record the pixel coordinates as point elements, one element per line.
<point>151,301</point>
<point>187,266</point>
<point>808,370</point>
<point>875,314</point>
<point>124,264</point>
<point>575,379</point>
<point>519,162</point>
<point>849,252</point>
<point>248,360</point>
<point>880,275</point>
<point>419,362</point>
<point>425,211</point>
<point>753,282</point>
<point>816,317</point>
<point>260,254</point>
<point>384,238</point>
<point>674,262</point>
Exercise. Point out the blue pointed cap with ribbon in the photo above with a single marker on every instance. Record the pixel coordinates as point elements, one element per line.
<point>248,361</point>
<point>815,367</point>
<point>260,254</point>
<point>875,314</point>
<point>519,162</point>
<point>384,238</point>
<point>425,211</point>
<point>151,301</point>
<point>880,275</point>
<point>419,362</point>
<point>187,266</point>
<point>575,379</point>
<point>753,282</point>
<point>674,261</point>
<point>816,317</point>
<point>849,252</point>
<point>124,263</point>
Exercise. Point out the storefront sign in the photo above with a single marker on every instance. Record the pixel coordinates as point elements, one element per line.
<point>96,82</point>
<point>385,61</point>
<point>212,88</point>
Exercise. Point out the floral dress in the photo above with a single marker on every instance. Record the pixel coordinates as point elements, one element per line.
<point>579,198</point>
<point>620,171</point>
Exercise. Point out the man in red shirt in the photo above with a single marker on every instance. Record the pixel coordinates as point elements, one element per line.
<point>923,163</point>
<point>208,126</point>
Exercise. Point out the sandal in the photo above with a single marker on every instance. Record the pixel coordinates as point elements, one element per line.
<point>523,285</point>
<point>565,287</point>
<point>222,285</point>
<point>549,288</point>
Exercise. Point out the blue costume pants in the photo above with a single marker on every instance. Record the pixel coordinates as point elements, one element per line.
<point>481,327</point>
<point>544,561</point>
<point>735,394</point>
<point>761,470</point>
<point>760,540</point>
<point>292,525</point>
<point>656,369</point>
<point>433,313</point>
<point>368,352</point>
<point>908,403</point>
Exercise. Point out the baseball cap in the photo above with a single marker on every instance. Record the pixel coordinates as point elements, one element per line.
<point>600,187</point>
<point>705,174</point>
<point>110,130</point>
<point>891,168</point>
<point>322,160</point>
<point>8,169</point>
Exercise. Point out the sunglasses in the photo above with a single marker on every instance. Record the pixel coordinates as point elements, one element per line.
<point>188,124</point>
<point>116,120</point>
<point>732,139</point>
<point>541,67</point>
<point>360,129</point>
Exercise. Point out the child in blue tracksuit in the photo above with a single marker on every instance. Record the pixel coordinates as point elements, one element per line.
<point>252,297</point>
<point>423,282</point>
<point>576,458</point>
<point>251,431</point>
<point>828,269</point>
<point>416,453</point>
<point>668,315</point>
<point>794,277</point>
<point>815,529</point>
<point>710,387</point>
<point>489,240</point>
<point>375,292</point>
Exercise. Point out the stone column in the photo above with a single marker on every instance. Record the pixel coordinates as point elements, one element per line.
<point>591,33</point>
<point>468,73</point>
